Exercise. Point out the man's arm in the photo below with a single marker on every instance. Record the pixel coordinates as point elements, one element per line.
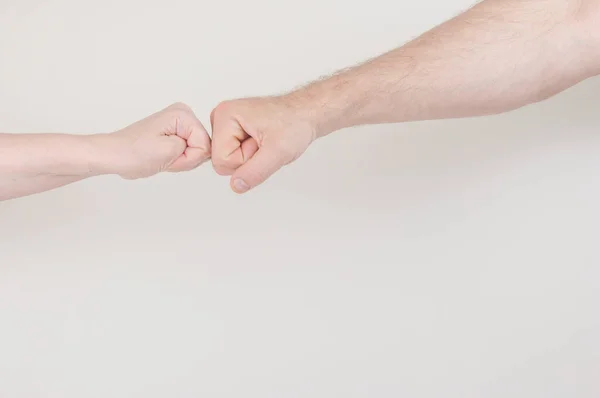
<point>170,140</point>
<point>498,56</point>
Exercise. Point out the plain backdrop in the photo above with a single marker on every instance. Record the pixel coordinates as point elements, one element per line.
<point>437,259</point>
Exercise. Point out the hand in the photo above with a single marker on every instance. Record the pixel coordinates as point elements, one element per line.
<point>171,140</point>
<point>255,137</point>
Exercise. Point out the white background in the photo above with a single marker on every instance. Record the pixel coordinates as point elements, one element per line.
<point>437,259</point>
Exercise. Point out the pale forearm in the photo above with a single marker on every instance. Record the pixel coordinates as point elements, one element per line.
<point>32,163</point>
<point>496,57</point>
<point>171,140</point>
<point>19,187</point>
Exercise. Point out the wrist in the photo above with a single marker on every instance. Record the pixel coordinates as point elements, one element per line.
<point>322,106</point>
<point>104,150</point>
<point>362,95</point>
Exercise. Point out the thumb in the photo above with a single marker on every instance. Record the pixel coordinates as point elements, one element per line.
<point>265,162</point>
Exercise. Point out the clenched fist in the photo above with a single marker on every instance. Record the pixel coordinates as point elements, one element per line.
<point>171,140</point>
<point>255,137</point>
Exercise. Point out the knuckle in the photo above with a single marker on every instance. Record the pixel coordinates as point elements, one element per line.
<point>182,113</point>
<point>205,137</point>
<point>222,171</point>
<point>223,108</point>
<point>232,108</point>
<point>197,156</point>
<point>181,107</point>
<point>199,137</point>
<point>223,164</point>
<point>206,151</point>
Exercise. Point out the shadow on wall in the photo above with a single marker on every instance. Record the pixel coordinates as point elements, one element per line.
<point>410,163</point>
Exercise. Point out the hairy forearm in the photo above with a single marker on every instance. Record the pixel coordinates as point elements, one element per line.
<point>32,163</point>
<point>498,56</point>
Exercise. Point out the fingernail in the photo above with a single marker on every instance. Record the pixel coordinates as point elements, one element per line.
<point>240,185</point>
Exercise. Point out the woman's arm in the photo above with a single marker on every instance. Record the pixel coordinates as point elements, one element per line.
<point>31,163</point>
<point>170,140</point>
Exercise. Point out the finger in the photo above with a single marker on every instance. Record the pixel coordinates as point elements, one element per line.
<point>199,138</point>
<point>246,151</point>
<point>190,128</point>
<point>190,159</point>
<point>197,141</point>
<point>228,138</point>
<point>257,169</point>
<point>175,148</point>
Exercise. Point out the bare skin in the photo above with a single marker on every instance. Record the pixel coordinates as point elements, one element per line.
<point>496,57</point>
<point>172,140</point>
